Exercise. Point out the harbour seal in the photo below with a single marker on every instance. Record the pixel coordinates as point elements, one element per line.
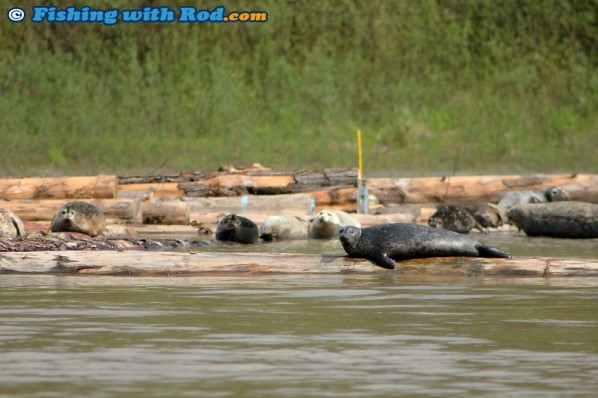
<point>234,228</point>
<point>399,241</point>
<point>488,215</point>
<point>283,228</point>
<point>558,219</point>
<point>454,218</point>
<point>513,198</point>
<point>328,223</point>
<point>82,217</point>
<point>11,225</point>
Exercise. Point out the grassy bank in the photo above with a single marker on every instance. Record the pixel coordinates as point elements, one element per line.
<point>435,86</point>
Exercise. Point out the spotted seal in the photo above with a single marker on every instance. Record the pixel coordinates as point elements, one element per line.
<point>399,241</point>
<point>234,228</point>
<point>454,218</point>
<point>11,225</point>
<point>327,224</point>
<point>488,215</point>
<point>82,217</point>
<point>558,219</point>
<point>552,194</point>
<point>283,228</point>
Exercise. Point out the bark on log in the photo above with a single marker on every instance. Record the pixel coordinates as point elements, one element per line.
<point>292,204</point>
<point>155,190</point>
<point>128,210</point>
<point>98,187</point>
<point>165,211</point>
<point>472,189</point>
<point>172,263</point>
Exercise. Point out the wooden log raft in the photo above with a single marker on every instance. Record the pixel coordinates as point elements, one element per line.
<point>98,187</point>
<point>128,210</point>
<point>172,263</point>
<point>471,189</point>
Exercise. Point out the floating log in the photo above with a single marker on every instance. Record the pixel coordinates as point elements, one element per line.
<point>63,241</point>
<point>269,182</point>
<point>128,210</point>
<point>472,189</point>
<point>173,263</point>
<point>291,204</point>
<point>98,187</point>
<point>165,211</point>
<point>152,190</point>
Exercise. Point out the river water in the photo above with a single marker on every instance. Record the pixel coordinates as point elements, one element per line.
<point>380,335</point>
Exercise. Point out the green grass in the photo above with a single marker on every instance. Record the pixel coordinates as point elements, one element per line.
<point>435,86</point>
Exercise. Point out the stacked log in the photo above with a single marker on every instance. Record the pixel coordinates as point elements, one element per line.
<point>206,196</point>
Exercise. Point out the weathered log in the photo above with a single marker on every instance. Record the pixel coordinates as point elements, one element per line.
<point>292,204</point>
<point>64,241</point>
<point>98,187</point>
<point>155,190</point>
<point>128,210</point>
<point>471,189</point>
<point>172,263</point>
<point>165,211</point>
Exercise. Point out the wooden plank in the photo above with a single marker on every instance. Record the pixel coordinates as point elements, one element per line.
<point>170,263</point>
<point>99,187</point>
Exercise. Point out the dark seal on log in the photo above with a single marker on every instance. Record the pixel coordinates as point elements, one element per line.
<point>559,219</point>
<point>454,218</point>
<point>233,228</point>
<point>11,225</point>
<point>400,241</point>
<point>82,217</point>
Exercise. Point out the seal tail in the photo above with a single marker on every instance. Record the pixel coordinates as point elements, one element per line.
<point>486,251</point>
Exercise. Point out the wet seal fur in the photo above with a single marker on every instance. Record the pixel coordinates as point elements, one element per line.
<point>82,217</point>
<point>558,219</point>
<point>400,241</point>
<point>234,228</point>
<point>283,228</point>
<point>11,225</point>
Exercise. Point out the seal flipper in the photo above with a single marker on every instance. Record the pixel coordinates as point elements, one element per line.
<point>486,251</point>
<point>382,260</point>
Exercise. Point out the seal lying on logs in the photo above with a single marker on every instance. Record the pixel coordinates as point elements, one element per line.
<point>327,224</point>
<point>559,219</point>
<point>283,228</point>
<point>488,215</point>
<point>82,217</point>
<point>399,241</point>
<point>234,228</point>
<point>11,225</point>
<point>513,198</point>
<point>454,218</point>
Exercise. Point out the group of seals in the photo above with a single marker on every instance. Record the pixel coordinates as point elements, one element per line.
<point>324,225</point>
<point>81,217</point>
<point>399,241</point>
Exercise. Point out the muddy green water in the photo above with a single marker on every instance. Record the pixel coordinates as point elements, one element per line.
<point>382,335</point>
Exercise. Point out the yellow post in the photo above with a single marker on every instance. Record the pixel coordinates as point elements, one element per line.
<point>360,172</point>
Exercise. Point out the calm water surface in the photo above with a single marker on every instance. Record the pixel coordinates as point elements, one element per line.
<point>382,335</point>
